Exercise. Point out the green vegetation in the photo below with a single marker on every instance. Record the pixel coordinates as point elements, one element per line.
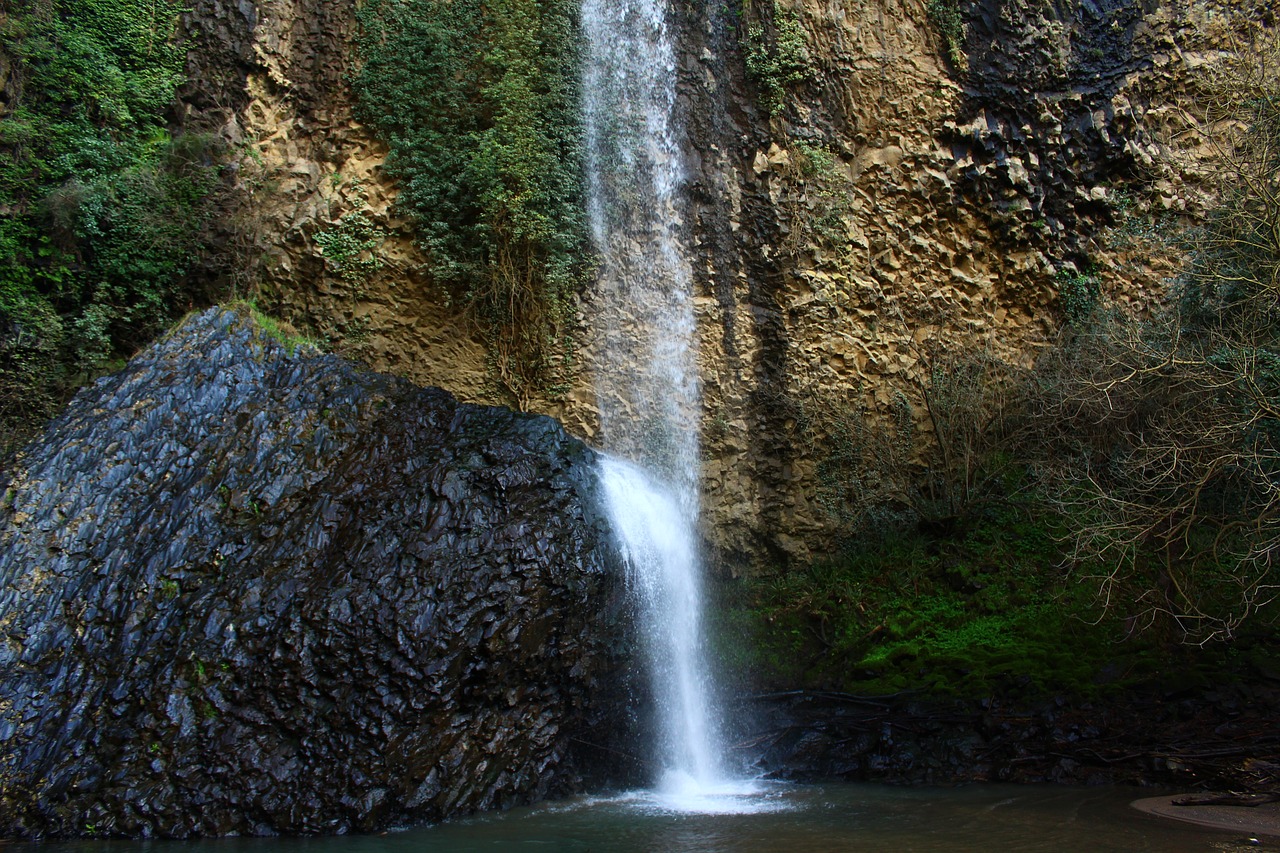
<point>283,334</point>
<point>1067,526</point>
<point>479,105</point>
<point>988,610</point>
<point>1079,293</point>
<point>818,201</point>
<point>938,454</point>
<point>350,248</point>
<point>101,211</point>
<point>777,55</point>
<point>946,16</point>
<point>957,576</point>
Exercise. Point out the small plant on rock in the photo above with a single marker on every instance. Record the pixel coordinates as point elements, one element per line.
<point>946,16</point>
<point>777,56</point>
<point>350,248</point>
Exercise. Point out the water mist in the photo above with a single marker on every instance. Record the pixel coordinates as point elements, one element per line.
<point>647,379</point>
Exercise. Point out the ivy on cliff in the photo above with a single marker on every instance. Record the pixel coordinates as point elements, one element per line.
<point>100,208</point>
<point>947,16</point>
<point>479,105</point>
<point>777,54</point>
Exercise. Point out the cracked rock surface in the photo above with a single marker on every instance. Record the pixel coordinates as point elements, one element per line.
<point>244,591</point>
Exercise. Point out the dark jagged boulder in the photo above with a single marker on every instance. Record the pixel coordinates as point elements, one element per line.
<point>249,592</point>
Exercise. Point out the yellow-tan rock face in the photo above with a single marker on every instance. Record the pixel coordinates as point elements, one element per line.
<point>897,211</point>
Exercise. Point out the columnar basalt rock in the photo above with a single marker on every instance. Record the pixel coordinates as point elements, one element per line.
<point>249,592</point>
<point>951,196</point>
<point>942,205</point>
<point>271,77</point>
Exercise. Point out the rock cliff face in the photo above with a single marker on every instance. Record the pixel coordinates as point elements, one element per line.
<point>907,202</point>
<point>270,76</point>
<point>243,591</point>
<point>904,208</point>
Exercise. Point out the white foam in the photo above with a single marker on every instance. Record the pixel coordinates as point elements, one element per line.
<point>680,794</point>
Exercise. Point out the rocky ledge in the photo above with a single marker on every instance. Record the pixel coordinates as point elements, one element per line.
<point>1212,737</point>
<point>245,590</point>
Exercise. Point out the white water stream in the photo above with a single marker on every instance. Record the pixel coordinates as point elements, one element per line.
<point>647,381</point>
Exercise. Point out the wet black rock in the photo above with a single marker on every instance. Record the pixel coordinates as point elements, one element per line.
<point>1215,737</point>
<point>244,591</point>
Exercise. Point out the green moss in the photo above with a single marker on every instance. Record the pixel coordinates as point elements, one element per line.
<point>987,611</point>
<point>270,327</point>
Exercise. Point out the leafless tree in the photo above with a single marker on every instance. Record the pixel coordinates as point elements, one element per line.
<point>1165,432</point>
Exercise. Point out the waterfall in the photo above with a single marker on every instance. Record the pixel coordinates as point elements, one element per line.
<point>646,370</point>
<point>659,548</point>
<point>647,380</point>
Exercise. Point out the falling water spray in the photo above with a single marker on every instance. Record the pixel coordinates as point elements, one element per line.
<point>646,373</point>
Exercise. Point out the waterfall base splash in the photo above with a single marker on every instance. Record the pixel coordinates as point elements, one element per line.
<point>681,793</point>
<point>657,538</point>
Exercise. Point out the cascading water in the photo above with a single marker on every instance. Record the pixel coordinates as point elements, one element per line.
<point>659,548</point>
<point>646,373</point>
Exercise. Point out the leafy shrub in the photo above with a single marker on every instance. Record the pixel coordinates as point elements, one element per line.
<point>479,105</point>
<point>819,200</point>
<point>102,211</point>
<point>777,55</point>
<point>986,611</point>
<point>349,248</point>
<point>30,343</point>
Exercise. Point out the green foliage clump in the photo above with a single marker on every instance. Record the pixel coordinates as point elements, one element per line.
<point>479,105</point>
<point>946,16</point>
<point>350,248</point>
<point>1079,293</point>
<point>101,210</point>
<point>777,55</point>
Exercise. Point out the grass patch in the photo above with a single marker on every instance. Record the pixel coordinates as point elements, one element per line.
<point>278,330</point>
